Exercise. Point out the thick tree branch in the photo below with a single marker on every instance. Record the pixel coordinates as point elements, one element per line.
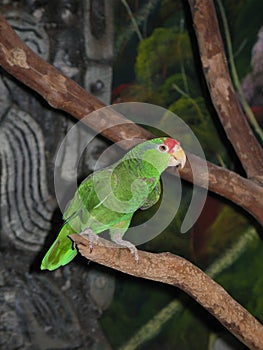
<point>63,93</point>
<point>176,271</point>
<point>224,98</point>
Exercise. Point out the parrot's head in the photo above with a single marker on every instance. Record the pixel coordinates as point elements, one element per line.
<point>176,153</point>
<point>163,152</point>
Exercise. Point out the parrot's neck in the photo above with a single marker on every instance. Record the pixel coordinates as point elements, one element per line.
<point>143,167</point>
<point>137,166</point>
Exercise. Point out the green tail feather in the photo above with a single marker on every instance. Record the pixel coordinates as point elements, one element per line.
<point>61,252</point>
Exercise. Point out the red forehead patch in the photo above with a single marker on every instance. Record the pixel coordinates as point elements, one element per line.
<point>171,143</point>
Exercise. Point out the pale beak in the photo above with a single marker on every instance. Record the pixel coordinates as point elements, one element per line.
<point>178,157</point>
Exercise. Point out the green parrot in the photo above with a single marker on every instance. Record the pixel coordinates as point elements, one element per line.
<point>108,198</point>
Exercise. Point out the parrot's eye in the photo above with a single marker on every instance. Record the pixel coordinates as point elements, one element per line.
<point>163,148</point>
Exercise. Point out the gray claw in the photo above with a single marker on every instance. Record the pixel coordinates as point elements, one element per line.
<point>91,236</point>
<point>126,244</point>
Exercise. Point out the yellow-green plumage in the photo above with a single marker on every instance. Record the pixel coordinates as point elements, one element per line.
<point>108,198</point>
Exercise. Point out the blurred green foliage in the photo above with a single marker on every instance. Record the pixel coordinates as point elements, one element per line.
<point>160,53</point>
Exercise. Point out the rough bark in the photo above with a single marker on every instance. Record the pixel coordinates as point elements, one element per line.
<point>176,271</point>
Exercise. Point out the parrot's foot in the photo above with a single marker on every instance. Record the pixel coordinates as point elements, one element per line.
<point>91,236</point>
<point>116,237</point>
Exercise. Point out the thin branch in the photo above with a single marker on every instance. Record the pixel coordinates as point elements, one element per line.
<point>133,20</point>
<point>65,94</point>
<point>176,271</point>
<point>192,100</point>
<point>221,89</point>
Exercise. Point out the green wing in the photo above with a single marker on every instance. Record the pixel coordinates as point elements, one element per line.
<point>153,197</point>
<point>78,217</point>
<point>62,252</point>
<point>77,203</point>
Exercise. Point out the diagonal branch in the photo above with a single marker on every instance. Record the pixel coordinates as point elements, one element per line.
<point>65,94</point>
<point>176,271</point>
<point>221,89</point>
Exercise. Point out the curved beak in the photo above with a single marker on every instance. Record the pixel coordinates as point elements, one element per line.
<point>177,157</point>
